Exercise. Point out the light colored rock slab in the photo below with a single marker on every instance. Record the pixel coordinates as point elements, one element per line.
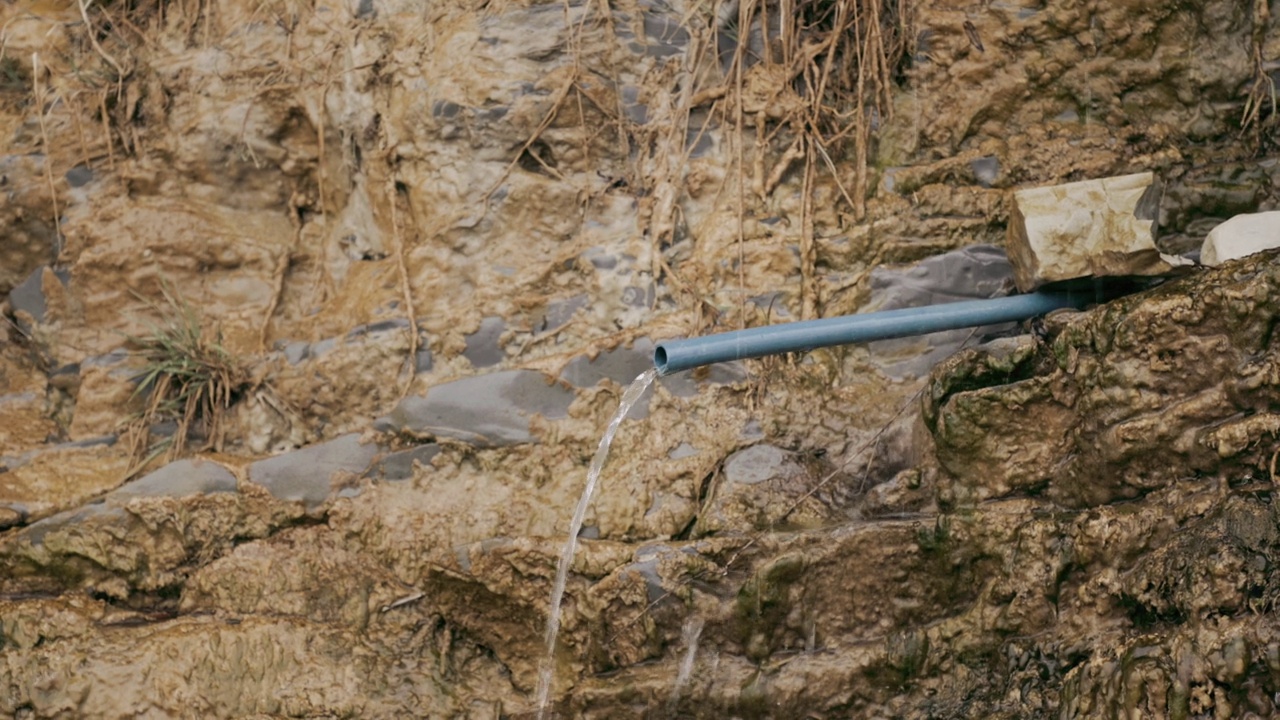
<point>486,410</point>
<point>307,474</point>
<point>178,479</point>
<point>1240,236</point>
<point>50,481</point>
<point>1092,228</point>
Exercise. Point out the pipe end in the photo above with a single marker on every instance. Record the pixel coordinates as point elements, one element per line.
<point>660,359</point>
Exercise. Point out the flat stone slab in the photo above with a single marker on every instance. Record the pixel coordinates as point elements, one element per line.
<point>399,465</point>
<point>1092,228</point>
<point>306,474</point>
<point>179,479</point>
<point>492,410</point>
<point>1241,236</point>
<point>484,346</point>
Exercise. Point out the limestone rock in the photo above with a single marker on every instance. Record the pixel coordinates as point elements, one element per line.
<point>1158,382</point>
<point>178,479</point>
<point>308,474</point>
<point>486,410</point>
<point>1240,236</point>
<point>45,482</point>
<point>1092,228</point>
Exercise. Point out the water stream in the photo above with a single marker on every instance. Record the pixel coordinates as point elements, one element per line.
<point>690,633</point>
<point>547,673</point>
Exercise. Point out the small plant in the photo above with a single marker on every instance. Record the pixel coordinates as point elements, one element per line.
<point>187,378</point>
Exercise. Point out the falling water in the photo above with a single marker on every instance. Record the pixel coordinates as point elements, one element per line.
<point>629,398</point>
<point>690,633</point>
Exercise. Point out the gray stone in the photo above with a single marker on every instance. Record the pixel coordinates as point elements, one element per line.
<point>179,479</point>
<point>637,112</point>
<point>1092,228</point>
<point>377,328</point>
<point>484,348</point>
<point>637,296</point>
<point>756,464</point>
<point>561,311</point>
<point>485,410</point>
<point>399,465</point>
<point>1241,236</point>
<point>36,532</point>
<point>773,304</point>
<point>699,138</point>
<point>119,356</point>
<point>683,450</point>
<point>28,296</point>
<point>79,176</point>
<point>445,109</point>
<point>107,440</point>
<point>423,359</point>
<point>600,258</point>
<point>985,170</point>
<point>296,351</point>
<point>667,35</point>
<point>306,474</point>
<point>321,348</point>
<point>621,365</point>
<point>977,271</point>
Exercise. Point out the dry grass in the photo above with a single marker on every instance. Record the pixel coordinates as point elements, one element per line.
<point>187,378</point>
<point>799,86</point>
<point>1259,114</point>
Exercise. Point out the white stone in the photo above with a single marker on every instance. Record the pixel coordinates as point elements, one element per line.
<point>1092,228</point>
<point>1240,236</point>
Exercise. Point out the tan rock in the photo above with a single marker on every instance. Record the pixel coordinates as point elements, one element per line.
<point>1240,236</point>
<point>1083,229</point>
<point>63,478</point>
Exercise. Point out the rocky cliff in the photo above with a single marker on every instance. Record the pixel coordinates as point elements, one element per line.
<point>316,310</point>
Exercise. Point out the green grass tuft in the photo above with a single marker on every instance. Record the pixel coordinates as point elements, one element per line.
<point>186,377</point>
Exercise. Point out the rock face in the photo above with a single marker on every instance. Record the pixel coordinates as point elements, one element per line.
<point>1091,228</point>
<point>431,243</point>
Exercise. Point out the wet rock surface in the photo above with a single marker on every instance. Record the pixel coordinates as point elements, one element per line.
<point>432,245</point>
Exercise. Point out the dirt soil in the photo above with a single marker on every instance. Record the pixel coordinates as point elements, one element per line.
<point>411,254</point>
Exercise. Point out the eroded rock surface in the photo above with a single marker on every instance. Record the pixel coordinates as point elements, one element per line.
<point>439,240</point>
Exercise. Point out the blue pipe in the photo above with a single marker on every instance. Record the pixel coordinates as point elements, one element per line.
<point>676,355</point>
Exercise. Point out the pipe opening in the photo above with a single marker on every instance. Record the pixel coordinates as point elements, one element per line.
<point>660,359</point>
